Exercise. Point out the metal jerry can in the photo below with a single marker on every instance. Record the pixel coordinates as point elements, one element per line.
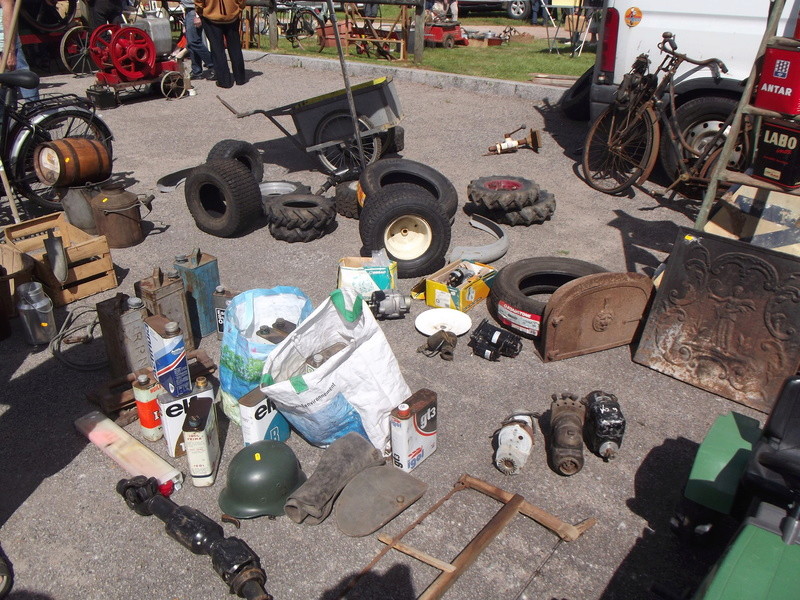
<point>122,323</point>
<point>221,299</point>
<point>165,295</point>
<point>200,275</point>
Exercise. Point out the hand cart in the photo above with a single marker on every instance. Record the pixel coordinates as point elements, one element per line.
<point>324,124</point>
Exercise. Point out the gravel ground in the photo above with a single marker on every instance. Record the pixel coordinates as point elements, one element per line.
<point>69,535</point>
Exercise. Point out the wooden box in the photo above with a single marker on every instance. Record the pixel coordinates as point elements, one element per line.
<point>90,269</point>
<point>17,268</point>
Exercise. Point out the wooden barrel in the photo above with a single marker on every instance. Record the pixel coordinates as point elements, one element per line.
<point>71,162</point>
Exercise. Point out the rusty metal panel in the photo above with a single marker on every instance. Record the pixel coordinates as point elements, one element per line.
<point>593,313</point>
<point>726,318</point>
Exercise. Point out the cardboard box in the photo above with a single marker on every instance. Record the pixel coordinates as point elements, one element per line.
<point>437,290</point>
<point>358,273</point>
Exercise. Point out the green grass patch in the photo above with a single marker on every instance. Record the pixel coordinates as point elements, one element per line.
<point>514,60</point>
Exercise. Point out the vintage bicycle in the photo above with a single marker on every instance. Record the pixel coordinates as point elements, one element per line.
<point>622,145</point>
<point>25,125</point>
<point>297,23</point>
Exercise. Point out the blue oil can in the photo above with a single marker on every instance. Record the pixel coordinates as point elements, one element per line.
<point>200,275</point>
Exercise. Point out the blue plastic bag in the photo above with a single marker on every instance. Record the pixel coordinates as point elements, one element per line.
<point>243,353</point>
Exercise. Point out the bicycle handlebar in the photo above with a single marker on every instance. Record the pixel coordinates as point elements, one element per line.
<point>715,64</point>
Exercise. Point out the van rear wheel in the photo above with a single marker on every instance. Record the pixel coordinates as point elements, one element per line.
<point>699,120</point>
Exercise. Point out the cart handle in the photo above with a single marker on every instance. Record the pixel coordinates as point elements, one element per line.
<point>240,115</point>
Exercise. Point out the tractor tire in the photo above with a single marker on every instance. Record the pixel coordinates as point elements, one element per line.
<point>502,192</point>
<point>287,234</point>
<point>510,301</point>
<point>411,224</point>
<point>346,199</point>
<point>302,211</point>
<point>401,170</point>
<point>575,102</point>
<point>540,211</point>
<point>223,197</point>
<point>270,190</point>
<point>245,152</point>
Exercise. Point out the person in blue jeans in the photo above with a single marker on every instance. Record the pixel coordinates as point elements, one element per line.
<point>198,53</point>
<point>537,11</point>
<point>16,59</point>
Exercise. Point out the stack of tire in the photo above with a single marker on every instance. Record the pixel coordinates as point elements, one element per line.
<point>226,197</point>
<point>511,200</point>
<point>405,207</point>
<point>222,194</point>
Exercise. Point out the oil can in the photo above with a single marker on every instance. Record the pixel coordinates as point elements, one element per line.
<point>122,323</point>
<point>413,425</point>
<point>260,419</point>
<point>221,299</point>
<point>173,415</point>
<point>201,437</point>
<point>145,391</point>
<point>165,295</point>
<point>168,355</point>
<point>200,275</point>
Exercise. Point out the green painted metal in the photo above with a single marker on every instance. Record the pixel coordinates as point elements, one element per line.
<point>721,460</point>
<point>757,566</point>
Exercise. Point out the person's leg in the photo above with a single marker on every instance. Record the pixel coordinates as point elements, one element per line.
<point>214,32</point>
<point>22,63</point>
<point>194,42</point>
<point>231,31</point>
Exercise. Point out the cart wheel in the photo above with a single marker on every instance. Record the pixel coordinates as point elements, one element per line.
<point>448,41</point>
<point>172,85</point>
<point>49,16</point>
<point>344,155</point>
<point>75,51</point>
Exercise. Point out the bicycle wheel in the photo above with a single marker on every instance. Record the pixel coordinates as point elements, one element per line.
<point>620,149</point>
<point>69,122</point>
<point>49,15</point>
<point>344,155</point>
<point>302,31</point>
<point>75,51</point>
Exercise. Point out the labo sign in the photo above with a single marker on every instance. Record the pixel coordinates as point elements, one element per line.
<point>782,140</point>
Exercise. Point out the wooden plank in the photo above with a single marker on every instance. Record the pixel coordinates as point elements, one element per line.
<point>418,554</point>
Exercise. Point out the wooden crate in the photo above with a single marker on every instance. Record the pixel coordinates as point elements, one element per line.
<point>17,268</point>
<point>90,269</point>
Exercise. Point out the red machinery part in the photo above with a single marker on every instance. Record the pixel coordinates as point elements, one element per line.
<point>100,46</point>
<point>133,53</point>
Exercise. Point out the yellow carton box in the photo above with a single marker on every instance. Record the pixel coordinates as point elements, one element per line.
<point>459,285</point>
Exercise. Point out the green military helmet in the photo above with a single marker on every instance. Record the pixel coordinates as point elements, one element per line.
<point>260,478</point>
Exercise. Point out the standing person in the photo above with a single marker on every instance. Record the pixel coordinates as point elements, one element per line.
<point>220,19</point>
<point>106,11</point>
<point>198,52</point>
<point>16,57</point>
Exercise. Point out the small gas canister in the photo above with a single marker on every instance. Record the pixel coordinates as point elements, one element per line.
<point>200,274</point>
<point>201,437</point>
<point>778,88</point>
<point>221,299</point>
<point>145,391</point>
<point>168,354</point>
<point>165,295</point>
<point>778,154</point>
<point>173,415</point>
<point>413,425</point>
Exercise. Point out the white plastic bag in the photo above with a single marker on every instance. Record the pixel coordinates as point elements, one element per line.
<point>336,373</point>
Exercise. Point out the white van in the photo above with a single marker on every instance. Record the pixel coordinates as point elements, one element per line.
<point>730,30</point>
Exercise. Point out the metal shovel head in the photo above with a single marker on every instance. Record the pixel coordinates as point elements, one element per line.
<point>374,497</point>
<point>56,255</point>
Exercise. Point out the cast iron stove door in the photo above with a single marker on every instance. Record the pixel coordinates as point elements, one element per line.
<point>726,318</point>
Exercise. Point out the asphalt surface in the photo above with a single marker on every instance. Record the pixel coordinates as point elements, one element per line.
<point>69,535</point>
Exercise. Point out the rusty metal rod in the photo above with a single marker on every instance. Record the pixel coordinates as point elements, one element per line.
<point>472,550</point>
<point>563,530</point>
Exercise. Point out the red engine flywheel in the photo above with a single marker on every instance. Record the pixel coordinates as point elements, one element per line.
<point>133,53</point>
